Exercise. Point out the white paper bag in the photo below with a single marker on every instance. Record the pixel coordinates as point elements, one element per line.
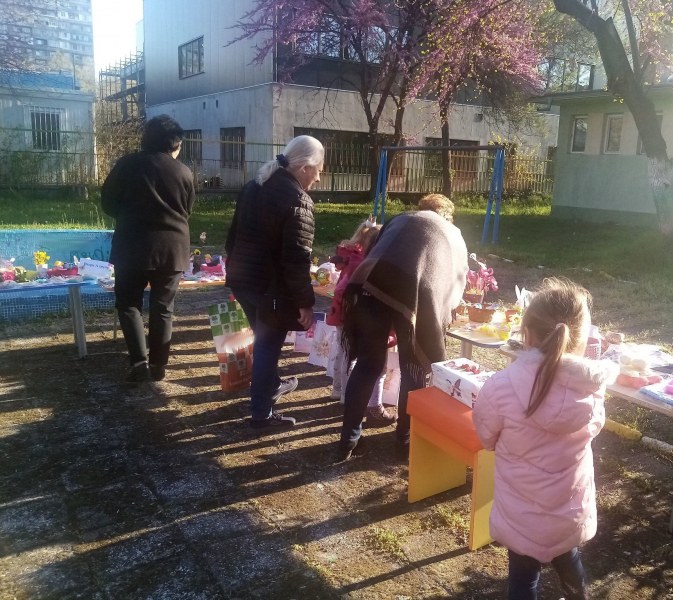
<point>391,384</point>
<point>303,340</point>
<point>323,340</point>
<point>334,351</point>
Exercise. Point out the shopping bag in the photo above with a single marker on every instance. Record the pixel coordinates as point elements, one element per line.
<point>323,340</point>
<point>233,340</point>
<point>303,340</point>
<point>334,351</point>
<point>391,384</point>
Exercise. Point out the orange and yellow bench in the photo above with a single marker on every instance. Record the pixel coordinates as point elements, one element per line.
<point>443,444</point>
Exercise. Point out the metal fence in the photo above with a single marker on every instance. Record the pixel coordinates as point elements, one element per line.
<point>81,158</point>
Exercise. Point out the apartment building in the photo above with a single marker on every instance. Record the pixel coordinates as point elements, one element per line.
<point>47,87</point>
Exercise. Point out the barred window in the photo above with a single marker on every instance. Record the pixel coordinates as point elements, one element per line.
<point>191,147</point>
<point>232,147</point>
<point>45,124</point>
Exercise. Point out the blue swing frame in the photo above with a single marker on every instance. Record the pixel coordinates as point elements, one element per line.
<point>494,193</point>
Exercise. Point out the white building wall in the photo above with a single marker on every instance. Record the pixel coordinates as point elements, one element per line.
<point>170,23</point>
<point>270,113</point>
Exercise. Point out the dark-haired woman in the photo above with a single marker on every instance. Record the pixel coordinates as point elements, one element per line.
<point>151,195</point>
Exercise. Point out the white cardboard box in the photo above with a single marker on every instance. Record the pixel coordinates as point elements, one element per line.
<point>456,379</point>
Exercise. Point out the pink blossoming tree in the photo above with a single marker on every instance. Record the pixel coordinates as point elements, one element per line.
<point>397,51</point>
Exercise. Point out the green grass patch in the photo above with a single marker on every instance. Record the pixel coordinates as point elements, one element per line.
<point>528,234</point>
<point>383,540</point>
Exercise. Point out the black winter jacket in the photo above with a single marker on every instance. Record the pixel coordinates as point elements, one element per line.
<point>151,195</point>
<point>270,239</point>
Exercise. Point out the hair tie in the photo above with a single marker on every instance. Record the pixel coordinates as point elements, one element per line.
<point>558,326</point>
<point>370,223</point>
<point>282,160</point>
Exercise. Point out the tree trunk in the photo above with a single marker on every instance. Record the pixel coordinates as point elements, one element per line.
<point>661,181</point>
<point>623,82</point>
<point>447,184</point>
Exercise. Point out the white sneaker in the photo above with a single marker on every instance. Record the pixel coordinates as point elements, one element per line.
<point>335,394</point>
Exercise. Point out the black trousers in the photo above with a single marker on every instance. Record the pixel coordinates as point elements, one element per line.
<point>373,322</point>
<point>130,286</point>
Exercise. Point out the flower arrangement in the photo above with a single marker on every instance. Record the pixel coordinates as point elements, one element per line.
<point>40,257</point>
<point>481,281</point>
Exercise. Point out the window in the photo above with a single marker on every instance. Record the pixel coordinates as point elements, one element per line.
<point>585,77</point>
<point>345,151</point>
<point>190,58</point>
<point>327,41</point>
<point>579,134</point>
<point>613,133</point>
<point>375,45</point>
<point>553,70</point>
<point>639,146</point>
<point>45,124</point>
<point>561,74</point>
<point>232,147</point>
<point>191,147</point>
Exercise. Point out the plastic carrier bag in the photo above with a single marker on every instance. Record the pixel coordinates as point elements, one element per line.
<point>233,340</point>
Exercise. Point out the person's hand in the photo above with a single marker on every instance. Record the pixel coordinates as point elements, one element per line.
<point>305,317</point>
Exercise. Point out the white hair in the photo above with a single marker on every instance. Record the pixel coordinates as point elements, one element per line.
<point>300,151</point>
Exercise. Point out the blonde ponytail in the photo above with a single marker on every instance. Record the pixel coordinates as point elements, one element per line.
<point>555,322</point>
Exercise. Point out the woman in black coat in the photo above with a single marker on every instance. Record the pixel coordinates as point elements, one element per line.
<point>269,251</point>
<point>151,195</point>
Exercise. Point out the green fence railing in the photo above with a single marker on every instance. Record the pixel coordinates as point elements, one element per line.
<point>82,158</point>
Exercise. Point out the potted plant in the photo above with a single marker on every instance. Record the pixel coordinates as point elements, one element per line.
<point>479,282</point>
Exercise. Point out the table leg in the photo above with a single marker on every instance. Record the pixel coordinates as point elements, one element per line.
<point>77,314</point>
<point>483,483</point>
<point>466,349</point>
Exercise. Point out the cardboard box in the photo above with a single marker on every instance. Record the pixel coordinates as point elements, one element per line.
<point>460,378</point>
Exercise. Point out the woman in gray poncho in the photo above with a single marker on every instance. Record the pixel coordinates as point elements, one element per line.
<point>411,280</point>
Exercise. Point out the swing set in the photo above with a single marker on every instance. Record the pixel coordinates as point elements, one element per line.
<point>494,193</point>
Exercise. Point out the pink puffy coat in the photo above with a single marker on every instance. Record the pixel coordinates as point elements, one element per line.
<point>351,255</point>
<point>545,498</point>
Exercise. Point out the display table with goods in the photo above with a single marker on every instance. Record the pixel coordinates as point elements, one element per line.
<point>26,292</point>
<point>20,293</point>
<point>646,373</point>
<point>34,263</point>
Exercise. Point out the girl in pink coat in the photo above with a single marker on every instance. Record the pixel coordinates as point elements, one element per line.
<point>540,415</point>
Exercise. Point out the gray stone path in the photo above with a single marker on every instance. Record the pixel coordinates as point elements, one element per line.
<point>164,493</point>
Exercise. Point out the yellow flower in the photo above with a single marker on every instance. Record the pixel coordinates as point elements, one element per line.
<point>40,257</point>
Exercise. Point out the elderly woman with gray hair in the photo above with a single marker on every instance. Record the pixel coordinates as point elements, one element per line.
<point>269,252</point>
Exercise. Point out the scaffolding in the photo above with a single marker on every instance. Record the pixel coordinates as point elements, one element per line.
<point>121,88</point>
